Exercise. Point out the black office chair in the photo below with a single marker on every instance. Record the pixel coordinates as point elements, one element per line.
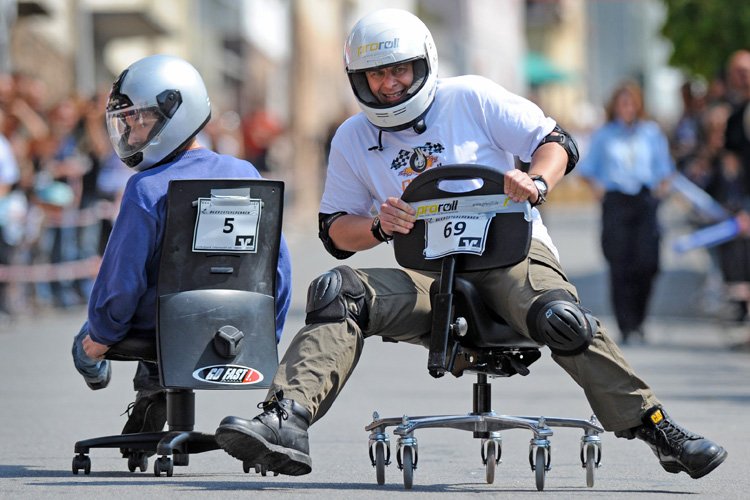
<point>216,312</point>
<point>467,336</point>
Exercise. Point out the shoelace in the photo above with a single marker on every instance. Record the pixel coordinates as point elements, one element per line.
<point>129,409</point>
<point>670,437</point>
<point>273,405</point>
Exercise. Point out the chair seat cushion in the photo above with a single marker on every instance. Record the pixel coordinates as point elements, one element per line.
<point>133,348</point>
<point>486,328</point>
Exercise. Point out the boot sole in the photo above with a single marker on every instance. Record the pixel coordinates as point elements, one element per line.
<point>717,460</point>
<point>257,451</point>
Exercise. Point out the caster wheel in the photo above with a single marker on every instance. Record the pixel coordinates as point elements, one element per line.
<point>491,462</point>
<point>182,459</point>
<point>380,462</point>
<point>138,461</point>
<point>163,464</point>
<point>261,469</point>
<point>407,462</point>
<point>540,468</point>
<point>82,462</point>
<point>590,465</point>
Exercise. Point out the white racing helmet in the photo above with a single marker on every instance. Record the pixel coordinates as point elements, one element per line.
<point>156,106</point>
<point>384,38</point>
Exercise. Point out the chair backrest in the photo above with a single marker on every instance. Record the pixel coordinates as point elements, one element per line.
<point>217,280</point>
<point>465,194</point>
<point>508,236</point>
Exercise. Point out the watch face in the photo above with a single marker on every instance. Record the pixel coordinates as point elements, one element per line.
<point>541,186</point>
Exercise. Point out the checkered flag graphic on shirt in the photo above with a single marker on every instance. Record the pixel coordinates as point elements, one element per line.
<point>403,156</point>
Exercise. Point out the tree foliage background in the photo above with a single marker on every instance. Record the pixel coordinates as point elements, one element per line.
<point>705,32</point>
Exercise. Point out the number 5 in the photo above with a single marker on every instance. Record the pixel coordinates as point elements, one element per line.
<point>228,226</point>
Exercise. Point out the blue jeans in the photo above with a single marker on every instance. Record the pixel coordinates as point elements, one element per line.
<point>92,371</point>
<point>146,376</point>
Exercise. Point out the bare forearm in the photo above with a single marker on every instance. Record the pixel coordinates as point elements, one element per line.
<point>549,161</point>
<point>352,233</point>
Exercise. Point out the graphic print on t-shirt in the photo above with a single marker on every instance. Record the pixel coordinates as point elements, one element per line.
<point>411,163</point>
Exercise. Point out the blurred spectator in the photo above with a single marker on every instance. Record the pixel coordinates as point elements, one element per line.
<point>24,127</point>
<point>223,134</point>
<point>712,169</point>
<point>260,128</point>
<point>686,134</point>
<point>626,167</point>
<point>50,209</point>
<point>61,166</point>
<point>735,255</point>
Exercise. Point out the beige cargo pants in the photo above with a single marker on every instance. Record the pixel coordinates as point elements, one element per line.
<point>321,357</point>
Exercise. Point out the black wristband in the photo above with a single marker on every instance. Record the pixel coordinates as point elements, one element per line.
<point>377,231</point>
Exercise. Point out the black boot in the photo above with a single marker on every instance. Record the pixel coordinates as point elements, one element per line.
<point>277,438</point>
<point>678,449</point>
<point>148,413</point>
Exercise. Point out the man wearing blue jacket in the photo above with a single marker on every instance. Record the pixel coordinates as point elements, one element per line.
<point>156,108</point>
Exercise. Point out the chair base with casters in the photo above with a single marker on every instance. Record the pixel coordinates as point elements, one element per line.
<point>173,446</point>
<point>467,336</point>
<point>486,425</point>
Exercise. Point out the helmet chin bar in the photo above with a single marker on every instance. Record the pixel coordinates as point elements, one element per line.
<point>132,161</point>
<point>417,124</point>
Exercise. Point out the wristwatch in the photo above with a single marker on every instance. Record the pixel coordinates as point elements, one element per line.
<point>541,188</point>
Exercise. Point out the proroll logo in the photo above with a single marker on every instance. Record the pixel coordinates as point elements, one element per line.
<point>228,375</point>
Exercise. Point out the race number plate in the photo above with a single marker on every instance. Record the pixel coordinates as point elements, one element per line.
<point>227,224</point>
<point>458,233</point>
<point>459,225</point>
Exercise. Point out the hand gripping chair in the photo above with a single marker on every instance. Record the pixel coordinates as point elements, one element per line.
<point>467,336</point>
<point>216,312</point>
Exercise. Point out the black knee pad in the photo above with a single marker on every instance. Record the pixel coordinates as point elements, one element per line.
<point>336,295</point>
<point>561,324</point>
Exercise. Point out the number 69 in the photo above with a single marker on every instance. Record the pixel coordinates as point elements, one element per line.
<point>450,228</point>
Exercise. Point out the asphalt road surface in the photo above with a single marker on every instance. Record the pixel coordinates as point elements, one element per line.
<point>689,360</point>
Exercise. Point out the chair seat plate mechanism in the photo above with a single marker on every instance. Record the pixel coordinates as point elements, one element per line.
<point>466,335</point>
<point>216,314</point>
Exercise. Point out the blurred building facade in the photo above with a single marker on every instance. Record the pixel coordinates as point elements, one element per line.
<point>285,56</point>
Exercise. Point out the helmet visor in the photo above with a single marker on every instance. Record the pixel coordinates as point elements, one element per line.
<point>132,129</point>
<point>362,90</point>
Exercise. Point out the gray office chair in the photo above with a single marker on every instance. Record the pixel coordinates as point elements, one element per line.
<point>467,336</point>
<point>216,312</point>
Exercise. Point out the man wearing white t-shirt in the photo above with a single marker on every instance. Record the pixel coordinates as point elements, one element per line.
<point>411,121</point>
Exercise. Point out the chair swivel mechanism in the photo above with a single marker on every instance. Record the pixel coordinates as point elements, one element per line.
<point>466,224</point>
<point>215,326</point>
